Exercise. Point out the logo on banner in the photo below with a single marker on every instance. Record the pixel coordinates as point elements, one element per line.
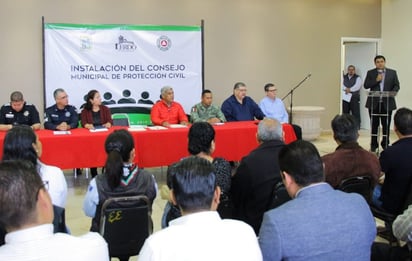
<point>85,43</point>
<point>124,45</point>
<point>164,43</point>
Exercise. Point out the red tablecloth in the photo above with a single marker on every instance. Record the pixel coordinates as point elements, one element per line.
<point>82,148</point>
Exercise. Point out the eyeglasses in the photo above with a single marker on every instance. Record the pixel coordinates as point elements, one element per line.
<point>45,185</point>
<point>274,90</point>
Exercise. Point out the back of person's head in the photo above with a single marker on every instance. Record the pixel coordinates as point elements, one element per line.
<point>16,96</point>
<point>403,121</point>
<point>345,128</point>
<point>193,184</point>
<point>201,135</point>
<point>301,160</point>
<point>90,96</point>
<point>118,146</point>
<point>18,144</point>
<point>19,187</point>
<point>269,129</point>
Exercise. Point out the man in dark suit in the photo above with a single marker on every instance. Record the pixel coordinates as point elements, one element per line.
<point>257,174</point>
<point>380,108</point>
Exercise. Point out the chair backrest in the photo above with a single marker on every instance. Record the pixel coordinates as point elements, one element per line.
<point>125,224</point>
<point>59,221</point>
<point>120,119</point>
<point>279,196</point>
<point>358,184</point>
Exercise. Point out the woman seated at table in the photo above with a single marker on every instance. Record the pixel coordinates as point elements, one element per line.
<point>121,177</point>
<point>21,143</point>
<point>202,144</point>
<point>95,115</point>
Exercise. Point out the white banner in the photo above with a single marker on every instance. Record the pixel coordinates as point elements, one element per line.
<point>127,64</point>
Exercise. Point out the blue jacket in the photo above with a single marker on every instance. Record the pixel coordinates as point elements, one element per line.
<point>319,224</point>
<point>53,117</point>
<point>246,111</point>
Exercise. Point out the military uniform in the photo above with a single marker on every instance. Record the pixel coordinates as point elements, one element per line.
<point>201,113</point>
<point>27,116</point>
<point>53,117</point>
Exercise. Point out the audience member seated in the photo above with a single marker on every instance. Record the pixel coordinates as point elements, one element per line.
<point>95,115</point>
<point>18,112</point>
<point>61,116</point>
<point>349,158</point>
<point>273,107</point>
<point>200,234</point>
<point>166,111</point>
<point>206,111</point>
<point>319,223</point>
<point>396,163</point>
<point>257,175</point>
<point>402,230</point>
<point>202,144</point>
<point>26,212</point>
<point>121,177</point>
<point>21,143</point>
<point>239,107</point>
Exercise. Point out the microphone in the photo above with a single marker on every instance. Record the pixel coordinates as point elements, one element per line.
<point>309,75</point>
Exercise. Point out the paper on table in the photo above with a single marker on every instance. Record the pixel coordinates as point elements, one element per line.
<point>98,130</point>
<point>177,126</point>
<point>157,128</point>
<point>136,129</point>
<point>61,132</point>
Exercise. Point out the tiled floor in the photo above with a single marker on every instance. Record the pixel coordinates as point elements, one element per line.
<point>79,223</point>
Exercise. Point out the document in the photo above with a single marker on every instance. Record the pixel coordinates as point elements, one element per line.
<point>346,96</point>
<point>173,126</point>
<point>157,128</point>
<point>61,132</point>
<point>98,130</point>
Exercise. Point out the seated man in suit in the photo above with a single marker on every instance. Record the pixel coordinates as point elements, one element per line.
<point>239,107</point>
<point>257,175</point>
<point>200,234</point>
<point>26,212</point>
<point>319,223</point>
<point>61,116</point>
<point>206,111</point>
<point>166,111</point>
<point>349,159</point>
<point>396,163</point>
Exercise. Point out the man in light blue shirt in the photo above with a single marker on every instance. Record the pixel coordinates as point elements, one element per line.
<point>274,107</point>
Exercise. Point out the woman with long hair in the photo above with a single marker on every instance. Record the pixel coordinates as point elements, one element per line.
<point>22,143</point>
<point>121,177</point>
<point>95,115</point>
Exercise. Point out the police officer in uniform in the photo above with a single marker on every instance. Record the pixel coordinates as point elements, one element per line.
<point>61,116</point>
<point>17,112</point>
<point>206,111</point>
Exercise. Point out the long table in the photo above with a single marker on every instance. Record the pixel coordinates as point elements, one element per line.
<point>82,148</point>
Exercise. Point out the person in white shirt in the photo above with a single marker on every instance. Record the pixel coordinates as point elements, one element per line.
<point>22,143</point>
<point>200,234</point>
<point>351,84</point>
<point>26,212</point>
<point>274,107</point>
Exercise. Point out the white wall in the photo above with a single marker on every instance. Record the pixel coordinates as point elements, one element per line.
<point>397,45</point>
<point>255,41</point>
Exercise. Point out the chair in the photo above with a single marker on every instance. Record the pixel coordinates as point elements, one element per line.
<point>389,218</point>
<point>279,196</point>
<point>120,119</point>
<point>125,224</point>
<point>59,221</point>
<point>358,184</point>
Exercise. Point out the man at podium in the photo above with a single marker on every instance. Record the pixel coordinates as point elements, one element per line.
<point>385,80</point>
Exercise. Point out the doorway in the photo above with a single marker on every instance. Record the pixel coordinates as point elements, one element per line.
<point>360,53</point>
